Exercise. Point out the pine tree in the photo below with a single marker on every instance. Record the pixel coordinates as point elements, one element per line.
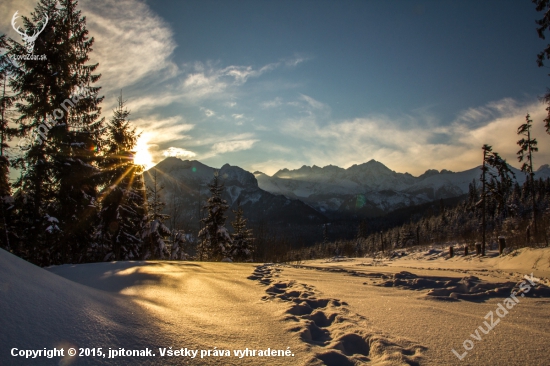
<point>242,246</point>
<point>499,189</point>
<point>56,195</point>
<point>123,198</point>
<point>7,231</point>
<point>484,169</point>
<point>154,231</point>
<point>215,240</point>
<point>179,242</point>
<point>527,147</point>
<point>543,26</point>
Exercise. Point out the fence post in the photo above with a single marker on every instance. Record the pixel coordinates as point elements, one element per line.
<point>478,248</point>
<point>501,244</point>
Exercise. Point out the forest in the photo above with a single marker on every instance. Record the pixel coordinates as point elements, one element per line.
<point>71,192</point>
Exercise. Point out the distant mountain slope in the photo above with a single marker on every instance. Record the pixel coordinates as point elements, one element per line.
<point>186,191</point>
<point>371,188</point>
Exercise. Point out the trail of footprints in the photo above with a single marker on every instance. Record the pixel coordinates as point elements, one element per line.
<point>336,335</point>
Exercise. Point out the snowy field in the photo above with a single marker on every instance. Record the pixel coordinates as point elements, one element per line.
<point>414,310</point>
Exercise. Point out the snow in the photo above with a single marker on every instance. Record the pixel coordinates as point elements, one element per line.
<point>327,312</point>
<point>316,186</point>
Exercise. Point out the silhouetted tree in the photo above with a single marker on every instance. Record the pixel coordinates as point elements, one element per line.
<point>123,205</point>
<point>527,147</point>
<point>242,246</point>
<point>215,240</point>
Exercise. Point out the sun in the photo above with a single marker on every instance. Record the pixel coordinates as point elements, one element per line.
<point>143,155</point>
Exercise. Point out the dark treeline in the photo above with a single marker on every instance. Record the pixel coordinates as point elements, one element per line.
<point>461,224</point>
<point>79,197</point>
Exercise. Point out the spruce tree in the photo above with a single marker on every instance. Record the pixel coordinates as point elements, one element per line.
<point>215,240</point>
<point>242,245</point>
<point>154,231</point>
<point>123,199</point>
<point>527,147</point>
<point>177,251</point>
<point>484,169</point>
<point>7,231</point>
<point>543,26</point>
<point>501,183</point>
<point>56,195</point>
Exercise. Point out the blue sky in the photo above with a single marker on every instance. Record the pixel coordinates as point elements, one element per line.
<point>272,84</point>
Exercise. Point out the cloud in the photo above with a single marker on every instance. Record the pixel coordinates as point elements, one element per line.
<point>7,9</point>
<point>205,80</point>
<point>233,145</point>
<point>311,106</point>
<point>132,46</point>
<point>238,116</point>
<point>207,112</point>
<point>277,102</point>
<point>479,116</point>
<point>295,61</point>
<point>163,130</point>
<point>178,152</point>
<point>131,42</point>
<point>413,147</point>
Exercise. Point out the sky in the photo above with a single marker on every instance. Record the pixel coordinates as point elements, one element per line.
<point>267,85</point>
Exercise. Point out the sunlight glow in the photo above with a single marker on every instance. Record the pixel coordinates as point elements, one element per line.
<point>143,155</point>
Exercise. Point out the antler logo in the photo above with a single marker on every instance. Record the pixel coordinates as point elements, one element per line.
<point>28,40</point>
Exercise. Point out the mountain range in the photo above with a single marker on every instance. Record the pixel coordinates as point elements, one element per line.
<point>186,191</point>
<point>371,188</point>
<point>308,195</point>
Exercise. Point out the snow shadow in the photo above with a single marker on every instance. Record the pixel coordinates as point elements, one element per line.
<point>113,276</point>
<point>469,288</point>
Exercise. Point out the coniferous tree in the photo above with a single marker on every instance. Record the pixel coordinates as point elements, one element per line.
<point>154,231</point>
<point>242,246</point>
<point>484,169</point>
<point>543,26</point>
<point>527,147</point>
<point>7,231</point>
<point>56,195</point>
<point>177,251</point>
<point>215,240</point>
<point>501,186</point>
<point>123,199</point>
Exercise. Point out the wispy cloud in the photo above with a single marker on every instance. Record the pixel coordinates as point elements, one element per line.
<point>129,25</point>
<point>479,116</point>
<point>412,147</point>
<point>162,130</point>
<point>205,80</point>
<point>233,145</point>
<point>178,152</point>
<point>208,112</point>
<point>277,102</point>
